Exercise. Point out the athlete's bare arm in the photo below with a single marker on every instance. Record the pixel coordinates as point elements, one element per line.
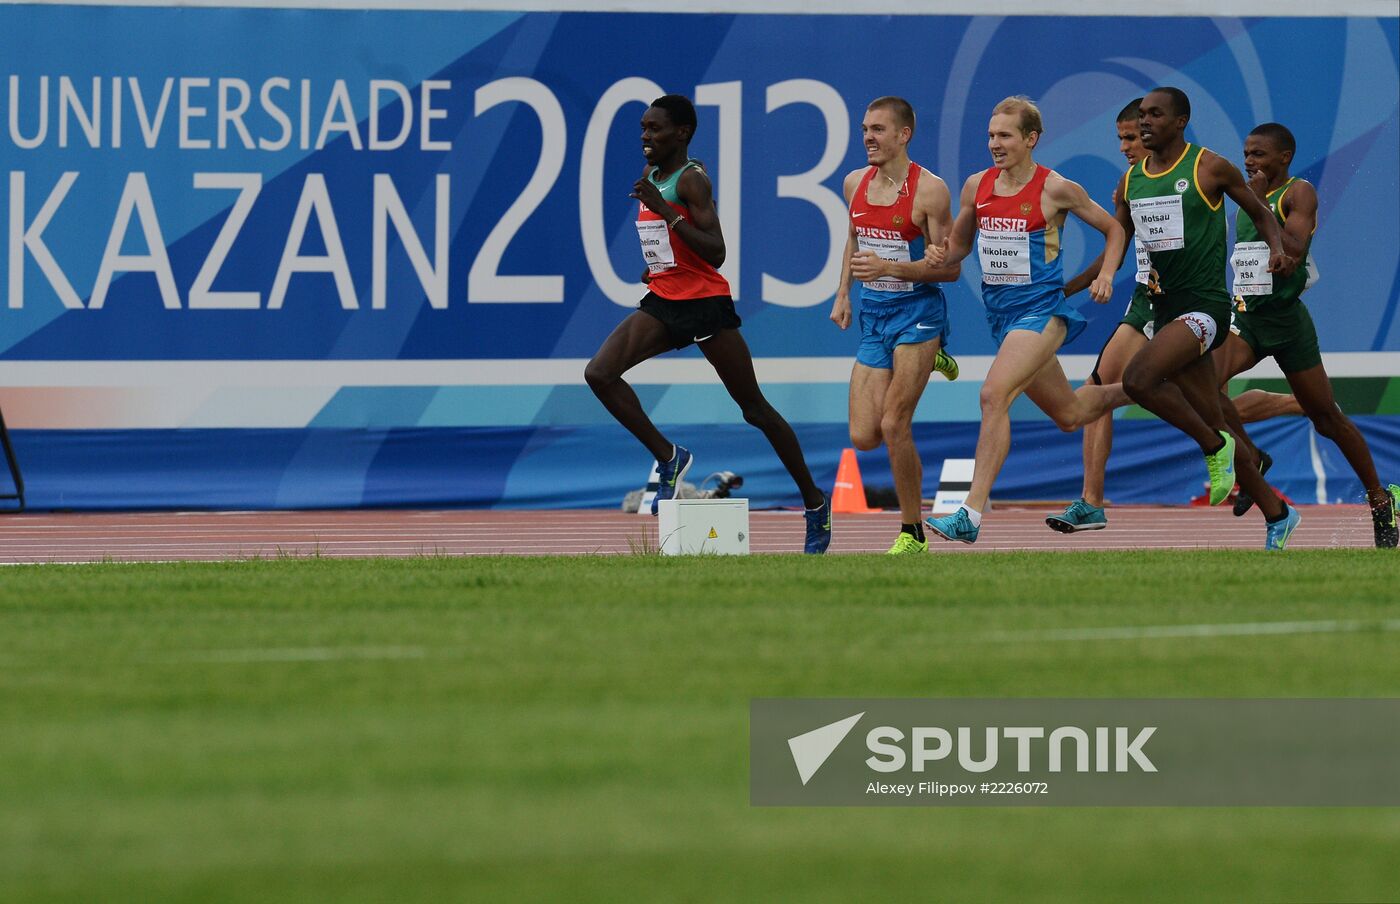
<point>1065,196</point>
<point>1222,176</point>
<point>1123,214</point>
<point>935,204</point>
<point>702,233</point>
<point>1299,218</point>
<point>958,243</point>
<point>1081,282</point>
<point>841,307</point>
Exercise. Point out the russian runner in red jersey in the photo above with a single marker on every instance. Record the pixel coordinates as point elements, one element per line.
<point>679,233</point>
<point>1015,211</point>
<point>896,209</point>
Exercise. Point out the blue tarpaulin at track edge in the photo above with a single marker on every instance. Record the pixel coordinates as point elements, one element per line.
<point>293,258</point>
<point>595,466</point>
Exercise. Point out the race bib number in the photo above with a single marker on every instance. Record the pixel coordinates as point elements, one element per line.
<point>1313,275</point>
<point>1251,265</point>
<point>1144,262</point>
<point>656,245</point>
<point>888,250</point>
<point>1159,222</point>
<point>1005,256</point>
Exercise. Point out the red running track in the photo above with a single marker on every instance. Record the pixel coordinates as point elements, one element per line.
<point>193,536</point>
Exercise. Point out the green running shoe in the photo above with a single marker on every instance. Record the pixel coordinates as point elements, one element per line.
<point>946,365</point>
<point>1383,520</point>
<point>1221,466</point>
<point>907,545</point>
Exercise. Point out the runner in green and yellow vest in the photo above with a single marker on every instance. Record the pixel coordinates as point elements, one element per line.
<point>1128,337</point>
<point>1174,201</point>
<point>1271,319</point>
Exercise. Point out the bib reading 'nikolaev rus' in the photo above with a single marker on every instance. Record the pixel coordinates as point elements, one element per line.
<point>889,231</point>
<point>677,271</point>
<point>1182,231</point>
<point>1019,252</point>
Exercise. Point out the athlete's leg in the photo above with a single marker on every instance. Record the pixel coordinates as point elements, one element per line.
<point>913,363</point>
<point>729,354</point>
<point>1260,405</point>
<point>1021,357</point>
<point>1314,393</point>
<point>1071,409</point>
<point>1098,436</point>
<point>1234,357</point>
<point>637,338</point>
<point>1200,389</point>
<point>1147,380</point>
<point>867,404</point>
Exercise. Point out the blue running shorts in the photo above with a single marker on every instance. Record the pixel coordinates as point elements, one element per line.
<point>1036,317</point>
<point>882,327</point>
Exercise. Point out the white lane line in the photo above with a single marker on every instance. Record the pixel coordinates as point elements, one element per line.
<point>1154,632</point>
<point>290,654</point>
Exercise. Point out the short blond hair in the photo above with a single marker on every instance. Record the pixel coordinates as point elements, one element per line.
<point>1025,108</point>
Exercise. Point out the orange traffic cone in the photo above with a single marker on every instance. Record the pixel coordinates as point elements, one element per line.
<point>848,496</point>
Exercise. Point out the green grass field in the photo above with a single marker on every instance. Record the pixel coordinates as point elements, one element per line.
<point>576,729</point>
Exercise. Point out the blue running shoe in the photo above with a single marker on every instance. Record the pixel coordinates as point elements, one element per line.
<point>818,528</point>
<point>1078,515</point>
<point>1276,534</point>
<point>669,475</point>
<point>956,526</point>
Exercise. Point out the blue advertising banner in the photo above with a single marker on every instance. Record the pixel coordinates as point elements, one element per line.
<point>301,219</point>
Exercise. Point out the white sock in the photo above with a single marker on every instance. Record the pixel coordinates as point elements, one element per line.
<point>974,517</point>
<point>675,450</point>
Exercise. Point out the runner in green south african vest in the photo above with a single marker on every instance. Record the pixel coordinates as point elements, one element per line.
<point>1183,232</point>
<point>1287,289</point>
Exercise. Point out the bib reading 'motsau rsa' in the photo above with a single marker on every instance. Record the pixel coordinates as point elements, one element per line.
<point>1183,233</point>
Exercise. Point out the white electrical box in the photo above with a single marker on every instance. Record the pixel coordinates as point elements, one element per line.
<point>704,527</point>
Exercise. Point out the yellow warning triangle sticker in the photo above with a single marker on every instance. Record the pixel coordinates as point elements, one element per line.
<point>713,535</point>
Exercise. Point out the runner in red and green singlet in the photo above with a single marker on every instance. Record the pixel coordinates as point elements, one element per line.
<point>689,303</point>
